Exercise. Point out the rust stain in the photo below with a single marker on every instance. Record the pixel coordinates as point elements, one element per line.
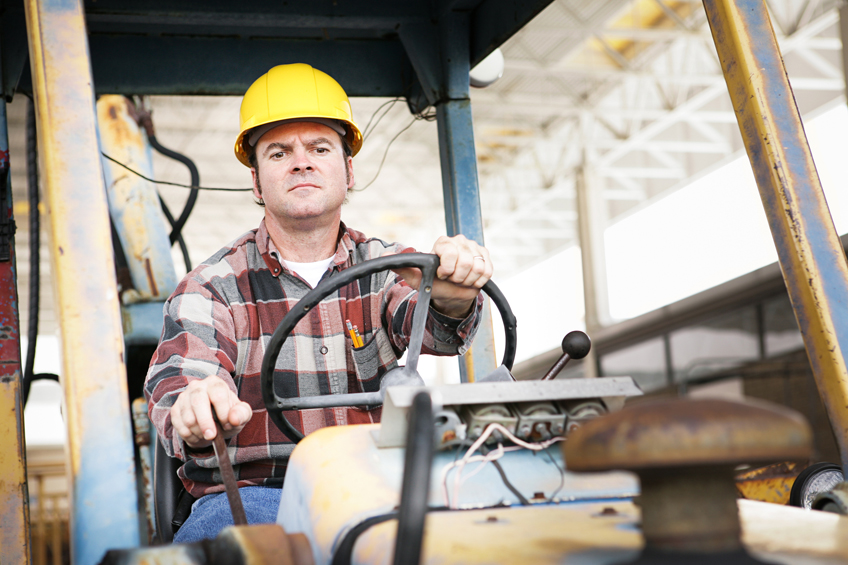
<point>772,483</point>
<point>151,280</point>
<point>688,432</point>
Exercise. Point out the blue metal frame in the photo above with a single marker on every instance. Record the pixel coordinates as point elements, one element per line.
<point>220,47</point>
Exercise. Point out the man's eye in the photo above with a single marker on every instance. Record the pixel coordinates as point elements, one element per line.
<point>321,149</point>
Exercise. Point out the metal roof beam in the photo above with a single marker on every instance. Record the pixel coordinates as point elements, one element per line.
<point>229,66</point>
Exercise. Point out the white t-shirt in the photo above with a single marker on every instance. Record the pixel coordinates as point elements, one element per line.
<point>310,272</point>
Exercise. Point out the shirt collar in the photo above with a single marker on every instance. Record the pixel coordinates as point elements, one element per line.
<point>271,255</point>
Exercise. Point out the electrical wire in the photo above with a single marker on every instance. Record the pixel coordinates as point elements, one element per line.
<point>385,154</point>
<point>133,171</point>
<point>488,457</point>
<point>521,498</point>
<point>368,129</point>
<point>561,475</point>
<point>446,471</point>
<point>470,458</point>
<point>425,116</point>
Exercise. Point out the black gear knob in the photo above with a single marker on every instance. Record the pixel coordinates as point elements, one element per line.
<point>576,344</point>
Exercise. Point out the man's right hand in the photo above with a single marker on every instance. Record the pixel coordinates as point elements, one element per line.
<point>191,414</point>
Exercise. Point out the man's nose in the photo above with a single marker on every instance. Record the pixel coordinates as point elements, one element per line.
<point>301,161</point>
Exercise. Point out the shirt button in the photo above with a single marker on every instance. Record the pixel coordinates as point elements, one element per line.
<point>324,350</point>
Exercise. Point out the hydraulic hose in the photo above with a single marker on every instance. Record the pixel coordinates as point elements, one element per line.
<point>34,254</point>
<point>177,226</point>
<point>170,217</point>
<point>415,489</point>
<point>34,239</point>
<point>145,120</point>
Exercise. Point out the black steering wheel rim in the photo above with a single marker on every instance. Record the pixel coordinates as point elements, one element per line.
<point>424,261</point>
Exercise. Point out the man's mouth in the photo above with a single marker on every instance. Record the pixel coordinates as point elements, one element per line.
<point>303,185</point>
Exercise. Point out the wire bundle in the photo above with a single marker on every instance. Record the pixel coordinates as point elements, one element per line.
<point>484,459</point>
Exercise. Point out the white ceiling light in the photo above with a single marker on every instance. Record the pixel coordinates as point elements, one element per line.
<point>488,70</point>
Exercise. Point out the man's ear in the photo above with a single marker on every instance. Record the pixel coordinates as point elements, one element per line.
<point>350,180</point>
<point>257,188</point>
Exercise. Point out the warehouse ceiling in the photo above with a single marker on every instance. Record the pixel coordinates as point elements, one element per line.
<point>627,94</point>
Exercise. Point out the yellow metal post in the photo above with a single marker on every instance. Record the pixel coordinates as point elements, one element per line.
<point>811,256</point>
<point>100,450</point>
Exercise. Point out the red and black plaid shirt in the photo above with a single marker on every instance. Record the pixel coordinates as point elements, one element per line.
<point>221,316</point>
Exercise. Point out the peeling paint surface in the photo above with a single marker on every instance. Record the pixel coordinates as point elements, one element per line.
<point>134,204</point>
<point>810,254</point>
<point>104,511</point>
<point>14,499</point>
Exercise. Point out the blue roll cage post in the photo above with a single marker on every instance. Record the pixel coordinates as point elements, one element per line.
<point>440,56</point>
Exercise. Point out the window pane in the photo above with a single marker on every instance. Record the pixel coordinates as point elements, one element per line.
<point>724,342</point>
<point>644,362</point>
<point>781,328</point>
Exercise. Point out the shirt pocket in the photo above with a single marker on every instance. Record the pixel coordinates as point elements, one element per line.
<point>373,360</point>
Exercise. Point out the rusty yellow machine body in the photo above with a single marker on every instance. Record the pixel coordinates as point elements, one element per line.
<point>343,490</point>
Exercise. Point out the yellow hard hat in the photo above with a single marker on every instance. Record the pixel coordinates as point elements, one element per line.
<point>289,92</point>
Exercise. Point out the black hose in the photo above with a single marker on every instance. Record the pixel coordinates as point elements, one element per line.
<point>183,248</point>
<point>344,551</point>
<point>37,377</point>
<point>415,490</point>
<point>34,244</point>
<point>177,226</point>
<point>34,255</point>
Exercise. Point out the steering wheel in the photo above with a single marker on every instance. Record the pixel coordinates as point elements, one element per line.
<point>407,375</point>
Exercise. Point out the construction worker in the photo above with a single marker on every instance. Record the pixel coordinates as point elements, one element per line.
<point>298,137</point>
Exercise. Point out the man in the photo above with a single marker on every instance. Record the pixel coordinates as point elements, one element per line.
<point>298,137</point>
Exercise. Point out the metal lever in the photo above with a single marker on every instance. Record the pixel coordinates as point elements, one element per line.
<point>228,475</point>
<point>575,345</point>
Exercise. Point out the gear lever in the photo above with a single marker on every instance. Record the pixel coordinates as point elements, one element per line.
<point>575,345</point>
<point>228,475</point>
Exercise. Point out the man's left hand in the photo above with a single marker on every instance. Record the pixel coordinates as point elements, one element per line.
<point>464,267</point>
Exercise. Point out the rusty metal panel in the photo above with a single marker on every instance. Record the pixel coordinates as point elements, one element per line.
<point>104,510</point>
<point>134,204</point>
<point>772,483</point>
<point>14,499</point>
<point>810,254</point>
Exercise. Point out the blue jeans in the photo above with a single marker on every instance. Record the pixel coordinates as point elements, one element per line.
<point>211,514</point>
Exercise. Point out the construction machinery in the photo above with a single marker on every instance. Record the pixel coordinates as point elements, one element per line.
<point>528,508</point>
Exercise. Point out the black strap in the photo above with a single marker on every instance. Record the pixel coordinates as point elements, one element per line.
<point>183,509</point>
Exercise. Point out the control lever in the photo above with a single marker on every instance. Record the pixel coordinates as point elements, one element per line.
<point>229,476</point>
<point>575,345</point>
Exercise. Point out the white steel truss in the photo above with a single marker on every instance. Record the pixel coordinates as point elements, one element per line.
<point>632,89</point>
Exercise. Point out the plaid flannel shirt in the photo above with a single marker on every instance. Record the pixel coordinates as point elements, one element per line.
<point>221,316</point>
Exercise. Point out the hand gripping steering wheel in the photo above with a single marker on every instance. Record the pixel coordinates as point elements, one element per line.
<point>407,375</point>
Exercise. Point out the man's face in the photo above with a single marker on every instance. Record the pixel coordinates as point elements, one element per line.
<point>302,173</point>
